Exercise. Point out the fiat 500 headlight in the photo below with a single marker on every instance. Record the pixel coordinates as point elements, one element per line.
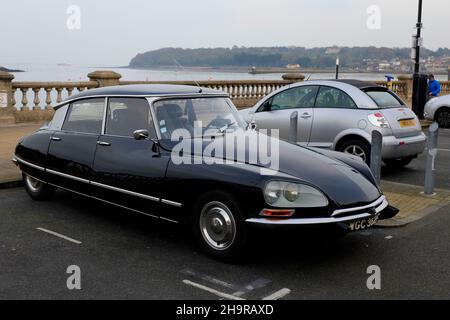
<point>280,194</point>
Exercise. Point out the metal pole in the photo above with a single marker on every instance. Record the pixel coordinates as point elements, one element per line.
<point>419,34</point>
<point>293,129</point>
<point>375,155</point>
<point>337,68</point>
<point>431,159</point>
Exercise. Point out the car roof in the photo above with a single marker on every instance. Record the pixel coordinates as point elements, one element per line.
<point>362,85</point>
<point>146,90</point>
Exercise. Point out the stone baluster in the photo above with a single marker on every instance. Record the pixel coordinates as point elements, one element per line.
<point>13,97</point>
<point>36,99</point>
<point>59,95</point>
<point>69,91</point>
<point>24,97</point>
<point>48,98</point>
<point>80,89</point>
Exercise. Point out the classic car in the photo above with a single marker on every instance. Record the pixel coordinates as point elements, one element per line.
<point>116,145</point>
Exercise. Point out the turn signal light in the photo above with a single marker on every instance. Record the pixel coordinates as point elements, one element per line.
<point>273,213</point>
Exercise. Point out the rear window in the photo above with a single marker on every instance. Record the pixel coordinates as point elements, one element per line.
<point>384,99</point>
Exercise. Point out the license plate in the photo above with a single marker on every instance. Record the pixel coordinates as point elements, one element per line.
<point>362,224</point>
<point>407,123</point>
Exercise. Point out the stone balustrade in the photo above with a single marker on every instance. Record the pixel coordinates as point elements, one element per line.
<point>45,94</point>
<point>33,101</point>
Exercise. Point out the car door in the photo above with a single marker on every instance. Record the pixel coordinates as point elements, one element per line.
<point>130,172</point>
<point>334,112</point>
<point>72,149</point>
<point>275,113</point>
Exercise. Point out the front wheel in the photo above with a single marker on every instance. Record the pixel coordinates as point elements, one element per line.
<point>219,227</point>
<point>37,189</point>
<point>398,163</point>
<point>443,117</point>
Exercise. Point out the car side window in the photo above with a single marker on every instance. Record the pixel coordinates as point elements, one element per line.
<point>298,97</point>
<point>85,116</point>
<point>58,118</point>
<point>329,97</point>
<point>126,115</point>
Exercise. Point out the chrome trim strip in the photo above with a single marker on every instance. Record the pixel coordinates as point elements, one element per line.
<point>29,164</point>
<point>132,193</point>
<point>210,94</point>
<point>171,203</point>
<point>307,221</point>
<point>68,176</point>
<point>112,203</point>
<point>377,202</point>
<point>14,160</point>
<point>104,116</point>
<point>170,220</point>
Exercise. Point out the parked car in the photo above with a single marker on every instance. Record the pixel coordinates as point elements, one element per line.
<point>438,109</point>
<point>115,145</point>
<point>341,115</point>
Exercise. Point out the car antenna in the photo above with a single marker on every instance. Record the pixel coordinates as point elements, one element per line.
<point>198,85</point>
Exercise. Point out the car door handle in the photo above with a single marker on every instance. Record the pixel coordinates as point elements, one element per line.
<point>103,144</point>
<point>55,139</point>
<point>305,116</point>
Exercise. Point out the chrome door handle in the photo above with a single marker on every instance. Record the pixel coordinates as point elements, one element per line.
<point>103,144</point>
<point>305,116</point>
<point>55,139</point>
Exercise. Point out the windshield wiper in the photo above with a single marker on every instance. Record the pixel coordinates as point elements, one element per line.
<point>225,128</point>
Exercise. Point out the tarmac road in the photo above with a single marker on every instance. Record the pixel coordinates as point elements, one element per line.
<point>129,256</point>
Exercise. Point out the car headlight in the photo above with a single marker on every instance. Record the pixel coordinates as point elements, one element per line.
<point>280,194</point>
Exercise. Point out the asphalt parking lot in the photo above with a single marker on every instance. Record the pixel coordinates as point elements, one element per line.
<point>129,256</point>
<point>415,173</point>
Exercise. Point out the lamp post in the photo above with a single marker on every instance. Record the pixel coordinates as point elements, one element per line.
<point>337,68</point>
<point>420,86</point>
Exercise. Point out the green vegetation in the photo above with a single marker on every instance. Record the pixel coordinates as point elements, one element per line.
<point>356,57</point>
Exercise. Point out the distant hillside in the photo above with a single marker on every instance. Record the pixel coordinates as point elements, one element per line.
<point>9,70</point>
<point>356,57</point>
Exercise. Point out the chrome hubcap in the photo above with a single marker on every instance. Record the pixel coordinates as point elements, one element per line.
<point>217,226</point>
<point>32,183</point>
<point>356,151</point>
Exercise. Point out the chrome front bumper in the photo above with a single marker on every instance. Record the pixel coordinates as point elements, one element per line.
<point>342,215</point>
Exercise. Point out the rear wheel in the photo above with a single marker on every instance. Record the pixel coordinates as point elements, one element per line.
<point>443,117</point>
<point>37,189</point>
<point>219,227</point>
<point>398,163</point>
<point>356,148</point>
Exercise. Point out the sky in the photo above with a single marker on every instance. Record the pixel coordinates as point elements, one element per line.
<point>112,32</point>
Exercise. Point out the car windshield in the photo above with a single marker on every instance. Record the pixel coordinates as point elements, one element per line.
<point>384,99</point>
<point>199,116</point>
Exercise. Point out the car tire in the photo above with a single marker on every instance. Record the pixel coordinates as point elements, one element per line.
<point>398,163</point>
<point>443,117</point>
<point>219,226</point>
<point>37,189</point>
<point>357,148</point>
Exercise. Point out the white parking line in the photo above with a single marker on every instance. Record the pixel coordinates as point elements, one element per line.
<point>278,295</point>
<point>213,291</point>
<point>59,235</point>
<point>444,150</point>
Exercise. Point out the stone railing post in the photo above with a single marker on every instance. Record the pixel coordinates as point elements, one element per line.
<point>6,98</point>
<point>293,77</point>
<point>105,78</point>
<point>407,79</point>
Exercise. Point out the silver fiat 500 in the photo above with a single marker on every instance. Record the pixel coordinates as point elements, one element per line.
<point>341,115</point>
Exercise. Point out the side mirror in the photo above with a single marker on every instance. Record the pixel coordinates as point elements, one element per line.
<point>141,134</point>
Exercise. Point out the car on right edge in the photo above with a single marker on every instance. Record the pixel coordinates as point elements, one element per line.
<point>341,115</point>
<point>438,109</point>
